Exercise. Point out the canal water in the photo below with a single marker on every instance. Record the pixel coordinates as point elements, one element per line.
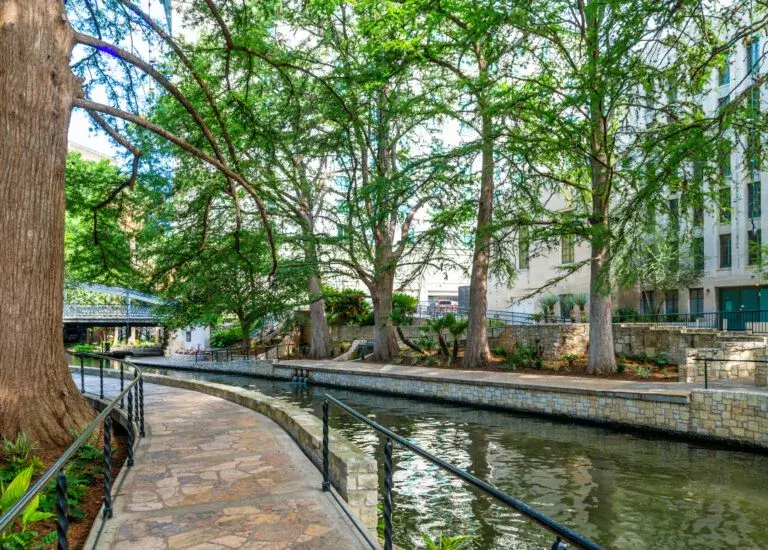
<point>623,490</point>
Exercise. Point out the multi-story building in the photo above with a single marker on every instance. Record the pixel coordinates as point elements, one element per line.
<point>728,237</point>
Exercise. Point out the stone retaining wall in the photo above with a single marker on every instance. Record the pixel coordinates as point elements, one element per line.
<point>745,423</point>
<point>732,361</point>
<point>552,340</point>
<point>353,474</point>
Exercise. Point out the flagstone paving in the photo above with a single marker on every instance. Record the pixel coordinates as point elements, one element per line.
<point>213,475</point>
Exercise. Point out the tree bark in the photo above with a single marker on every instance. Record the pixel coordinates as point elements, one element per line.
<point>601,351</point>
<point>320,343</point>
<point>245,335</point>
<point>407,341</point>
<point>37,393</point>
<point>385,347</point>
<point>477,353</point>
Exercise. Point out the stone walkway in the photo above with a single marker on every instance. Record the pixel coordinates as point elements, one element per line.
<point>536,381</point>
<point>211,475</point>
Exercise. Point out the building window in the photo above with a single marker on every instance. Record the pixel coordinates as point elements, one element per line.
<point>697,245</point>
<point>725,205</point>
<point>698,217</point>
<point>725,250</point>
<point>753,55</point>
<point>523,248</point>
<point>753,151</point>
<point>725,164</point>
<point>188,336</point>
<point>670,303</point>
<point>567,246</point>
<point>753,199</point>
<point>724,74</point>
<point>754,242</point>
<point>648,305</point>
<point>696,296</point>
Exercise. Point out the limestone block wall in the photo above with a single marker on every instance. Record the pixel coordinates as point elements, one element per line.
<point>633,339</point>
<point>730,415</point>
<point>731,361</point>
<point>553,340</point>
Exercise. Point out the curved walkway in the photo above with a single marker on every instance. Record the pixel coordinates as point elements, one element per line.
<point>212,475</point>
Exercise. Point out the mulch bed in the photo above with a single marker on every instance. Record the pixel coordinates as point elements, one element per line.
<point>549,368</point>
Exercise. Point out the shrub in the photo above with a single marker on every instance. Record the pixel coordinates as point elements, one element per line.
<point>501,352</point>
<point>445,543</point>
<point>345,307</point>
<point>626,315</point>
<point>226,337</point>
<point>661,359</point>
<point>621,366</point>
<point>21,537</point>
<point>84,348</point>
<point>642,372</point>
<point>570,359</point>
<point>524,356</point>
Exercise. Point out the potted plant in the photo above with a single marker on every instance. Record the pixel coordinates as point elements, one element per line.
<point>547,305</point>
<point>566,306</point>
<point>581,299</point>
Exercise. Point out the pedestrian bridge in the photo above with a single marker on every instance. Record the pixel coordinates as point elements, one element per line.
<point>129,313</point>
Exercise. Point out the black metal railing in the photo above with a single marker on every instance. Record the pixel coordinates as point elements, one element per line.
<point>133,391</point>
<point>755,321</point>
<point>561,532</point>
<point>710,360</point>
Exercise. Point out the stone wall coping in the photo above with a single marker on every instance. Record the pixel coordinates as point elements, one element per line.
<point>531,382</point>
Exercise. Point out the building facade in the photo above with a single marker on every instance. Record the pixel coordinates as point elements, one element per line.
<point>727,234</point>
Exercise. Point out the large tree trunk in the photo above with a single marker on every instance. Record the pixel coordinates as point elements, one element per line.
<point>320,344</point>
<point>385,347</point>
<point>477,353</point>
<point>601,351</point>
<point>37,394</point>
<point>245,335</point>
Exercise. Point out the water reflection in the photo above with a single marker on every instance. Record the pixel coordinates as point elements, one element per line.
<point>622,490</point>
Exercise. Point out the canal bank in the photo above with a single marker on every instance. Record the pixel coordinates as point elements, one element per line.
<point>621,488</point>
<point>737,415</point>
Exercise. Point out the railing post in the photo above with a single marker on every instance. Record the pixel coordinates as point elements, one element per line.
<point>107,467</point>
<point>101,378</point>
<point>82,374</point>
<point>131,435</point>
<point>559,544</point>
<point>388,495</point>
<point>326,472</point>
<point>62,521</point>
<point>141,407</point>
<point>706,373</point>
<point>122,384</point>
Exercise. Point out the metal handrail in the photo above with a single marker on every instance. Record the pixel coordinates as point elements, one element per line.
<point>708,360</point>
<point>135,386</point>
<point>561,531</point>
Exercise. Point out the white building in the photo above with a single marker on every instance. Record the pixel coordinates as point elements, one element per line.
<point>731,280</point>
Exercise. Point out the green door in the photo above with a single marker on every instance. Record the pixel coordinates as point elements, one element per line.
<point>730,302</point>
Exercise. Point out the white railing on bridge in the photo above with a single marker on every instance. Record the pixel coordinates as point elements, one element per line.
<point>108,312</point>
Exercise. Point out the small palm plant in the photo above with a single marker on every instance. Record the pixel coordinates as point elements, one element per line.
<point>547,304</point>
<point>457,329</point>
<point>581,299</point>
<point>566,306</point>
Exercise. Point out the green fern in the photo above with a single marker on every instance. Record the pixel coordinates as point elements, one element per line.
<point>445,543</point>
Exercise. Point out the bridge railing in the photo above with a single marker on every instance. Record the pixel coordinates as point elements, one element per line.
<point>132,391</point>
<point>74,311</point>
<point>561,532</point>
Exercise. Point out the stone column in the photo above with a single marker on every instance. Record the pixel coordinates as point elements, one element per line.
<point>761,374</point>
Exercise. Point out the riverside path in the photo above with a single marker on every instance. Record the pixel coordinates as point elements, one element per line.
<point>212,475</point>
